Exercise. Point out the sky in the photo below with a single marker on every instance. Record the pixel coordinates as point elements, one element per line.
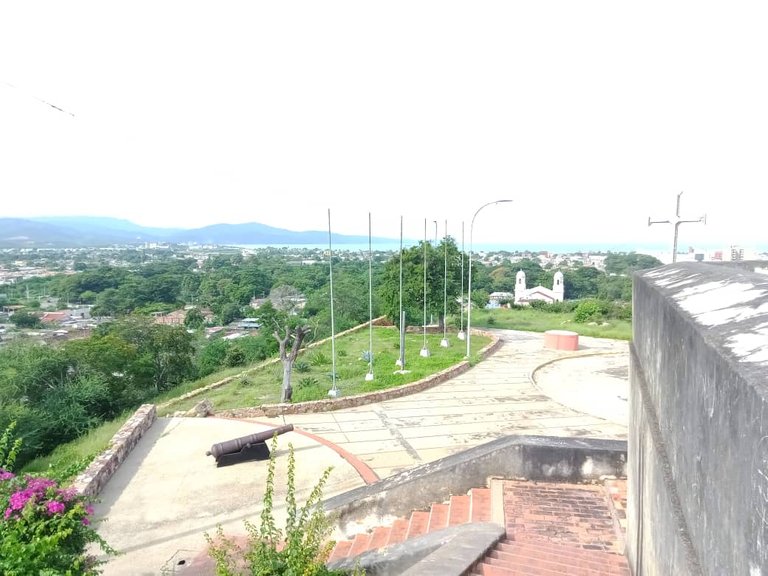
<point>590,116</point>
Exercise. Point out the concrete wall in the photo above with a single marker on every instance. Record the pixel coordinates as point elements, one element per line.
<point>698,448</point>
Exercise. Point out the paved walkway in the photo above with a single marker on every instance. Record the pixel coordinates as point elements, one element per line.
<point>168,493</point>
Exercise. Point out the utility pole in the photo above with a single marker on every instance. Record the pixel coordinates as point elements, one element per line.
<point>677,221</point>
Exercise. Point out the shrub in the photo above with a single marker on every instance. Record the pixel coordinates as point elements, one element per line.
<point>300,367</point>
<point>235,356</point>
<point>319,359</point>
<point>590,311</point>
<point>302,549</point>
<point>307,382</point>
<point>44,529</point>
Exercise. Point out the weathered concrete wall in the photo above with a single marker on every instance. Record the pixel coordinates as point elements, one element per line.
<point>698,448</point>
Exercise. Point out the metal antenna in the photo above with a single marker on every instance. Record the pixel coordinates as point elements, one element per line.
<point>677,221</point>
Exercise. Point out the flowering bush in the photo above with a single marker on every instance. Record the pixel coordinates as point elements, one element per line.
<point>44,529</point>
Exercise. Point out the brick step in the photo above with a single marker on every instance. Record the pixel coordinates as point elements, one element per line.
<point>558,529</point>
<point>460,509</point>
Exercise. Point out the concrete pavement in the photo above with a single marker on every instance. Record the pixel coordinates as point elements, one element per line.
<point>168,493</point>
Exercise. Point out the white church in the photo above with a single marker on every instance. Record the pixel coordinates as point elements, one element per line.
<point>525,295</point>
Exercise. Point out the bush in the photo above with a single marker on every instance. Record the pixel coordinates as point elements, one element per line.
<point>319,359</point>
<point>235,356</point>
<point>590,311</point>
<point>302,549</point>
<point>301,367</point>
<point>44,529</point>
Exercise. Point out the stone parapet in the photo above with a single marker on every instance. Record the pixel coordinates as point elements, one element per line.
<point>101,469</point>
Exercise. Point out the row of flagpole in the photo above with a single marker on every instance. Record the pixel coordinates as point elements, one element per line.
<point>400,363</point>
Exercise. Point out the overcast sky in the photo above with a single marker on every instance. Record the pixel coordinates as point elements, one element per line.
<point>591,116</point>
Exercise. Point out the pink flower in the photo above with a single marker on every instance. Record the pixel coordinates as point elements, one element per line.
<point>39,485</point>
<point>55,507</point>
<point>6,475</point>
<point>86,522</point>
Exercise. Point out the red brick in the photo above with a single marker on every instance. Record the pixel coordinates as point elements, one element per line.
<point>438,517</point>
<point>419,523</point>
<point>379,537</point>
<point>481,505</point>
<point>458,510</point>
<point>359,544</point>
<point>398,531</point>
<point>341,550</point>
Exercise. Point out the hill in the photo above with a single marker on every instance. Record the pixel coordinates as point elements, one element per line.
<point>79,231</point>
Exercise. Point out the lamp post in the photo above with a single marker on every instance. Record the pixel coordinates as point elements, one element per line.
<point>369,375</point>
<point>444,341</point>
<point>424,352</point>
<point>469,279</point>
<point>461,334</point>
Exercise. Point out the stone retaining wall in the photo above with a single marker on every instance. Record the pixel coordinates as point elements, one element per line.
<point>101,469</point>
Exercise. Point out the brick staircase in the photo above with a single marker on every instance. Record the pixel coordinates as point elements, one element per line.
<point>556,529</point>
<point>552,529</point>
<point>461,509</point>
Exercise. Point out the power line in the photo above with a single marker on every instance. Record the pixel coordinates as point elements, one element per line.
<point>40,100</point>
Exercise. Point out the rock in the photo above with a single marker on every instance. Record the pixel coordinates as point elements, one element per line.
<point>202,409</point>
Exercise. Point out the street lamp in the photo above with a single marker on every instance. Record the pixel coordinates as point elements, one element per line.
<point>424,352</point>
<point>461,334</point>
<point>444,341</point>
<point>469,280</point>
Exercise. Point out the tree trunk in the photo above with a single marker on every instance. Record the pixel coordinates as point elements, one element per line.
<point>287,388</point>
<point>289,356</point>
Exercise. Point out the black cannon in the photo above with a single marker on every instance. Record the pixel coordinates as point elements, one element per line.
<point>251,447</point>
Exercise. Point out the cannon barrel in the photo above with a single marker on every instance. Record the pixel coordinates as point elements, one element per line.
<point>236,444</point>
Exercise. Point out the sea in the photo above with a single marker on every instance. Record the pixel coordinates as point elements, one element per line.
<point>394,246</point>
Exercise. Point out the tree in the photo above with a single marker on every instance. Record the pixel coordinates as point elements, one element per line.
<point>629,263</point>
<point>24,319</point>
<point>289,337</point>
<point>194,319</point>
<point>388,285</point>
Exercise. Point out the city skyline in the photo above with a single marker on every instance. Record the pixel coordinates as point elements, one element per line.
<point>591,118</point>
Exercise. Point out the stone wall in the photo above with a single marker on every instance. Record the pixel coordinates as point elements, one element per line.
<point>98,473</point>
<point>698,430</point>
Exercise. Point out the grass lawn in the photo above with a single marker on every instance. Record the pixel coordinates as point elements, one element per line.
<point>312,371</point>
<point>534,320</point>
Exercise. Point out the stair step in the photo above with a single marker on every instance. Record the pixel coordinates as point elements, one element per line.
<point>359,544</point>
<point>341,550</point>
<point>438,517</point>
<point>379,537</point>
<point>558,552</point>
<point>458,510</point>
<point>419,523</point>
<point>484,569</point>
<point>480,509</point>
<point>398,531</point>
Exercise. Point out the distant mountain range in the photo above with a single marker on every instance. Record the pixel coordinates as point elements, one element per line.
<point>82,231</point>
